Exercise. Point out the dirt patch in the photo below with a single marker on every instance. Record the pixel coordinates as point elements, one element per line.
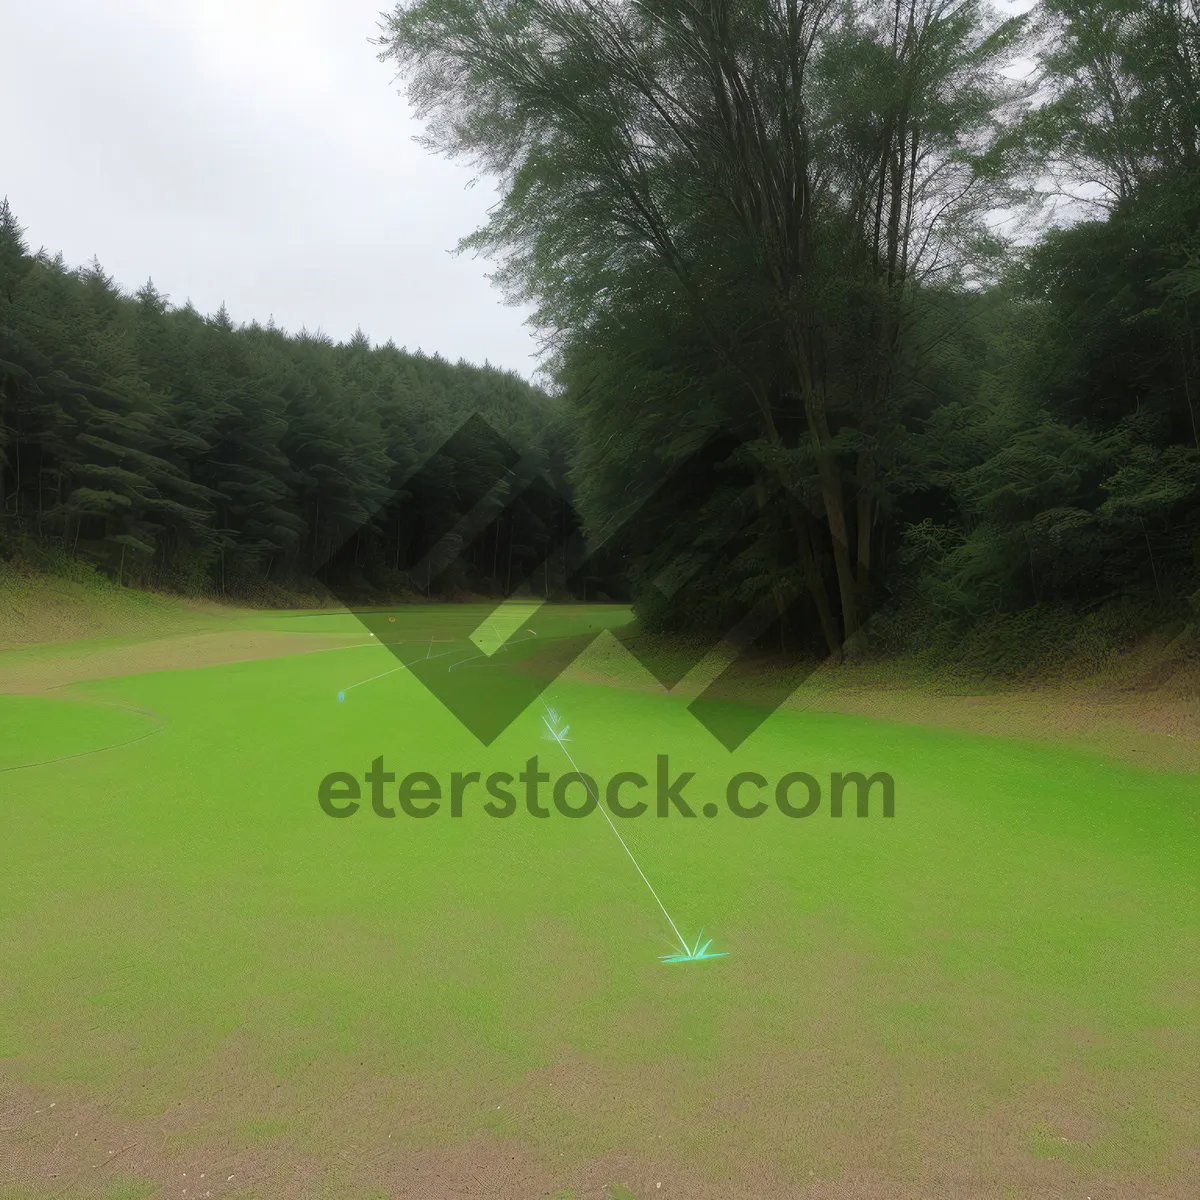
<point>824,1118</point>
<point>1149,725</point>
<point>176,653</point>
<point>1151,729</point>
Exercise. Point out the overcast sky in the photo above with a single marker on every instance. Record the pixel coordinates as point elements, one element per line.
<point>247,152</point>
<point>253,153</point>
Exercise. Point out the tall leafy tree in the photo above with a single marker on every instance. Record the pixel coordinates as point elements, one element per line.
<point>695,141</point>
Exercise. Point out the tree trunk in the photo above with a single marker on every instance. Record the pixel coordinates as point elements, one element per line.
<point>865,516</point>
<point>811,570</point>
<point>830,478</point>
<point>801,526</point>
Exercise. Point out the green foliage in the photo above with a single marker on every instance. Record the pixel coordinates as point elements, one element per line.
<point>1074,478</point>
<point>766,222</point>
<point>179,451</point>
<point>1124,83</point>
<point>762,227</point>
<point>727,216</point>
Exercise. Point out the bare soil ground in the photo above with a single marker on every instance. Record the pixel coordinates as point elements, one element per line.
<point>1154,728</point>
<point>776,1127</point>
<point>77,664</point>
<point>1147,711</point>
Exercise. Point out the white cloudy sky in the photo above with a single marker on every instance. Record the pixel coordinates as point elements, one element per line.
<point>247,152</point>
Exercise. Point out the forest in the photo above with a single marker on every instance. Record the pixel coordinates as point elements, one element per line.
<point>912,286</point>
<point>176,451</point>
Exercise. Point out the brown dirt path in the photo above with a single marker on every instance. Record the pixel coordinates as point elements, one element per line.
<point>180,652</point>
<point>1150,724</point>
<point>1152,729</point>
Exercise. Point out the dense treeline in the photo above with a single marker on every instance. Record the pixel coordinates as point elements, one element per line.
<point>177,450</point>
<point>774,221</point>
<point>766,228</point>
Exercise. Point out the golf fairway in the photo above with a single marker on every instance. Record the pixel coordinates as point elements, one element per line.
<point>992,992</point>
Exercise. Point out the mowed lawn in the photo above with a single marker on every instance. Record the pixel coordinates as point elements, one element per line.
<point>993,993</point>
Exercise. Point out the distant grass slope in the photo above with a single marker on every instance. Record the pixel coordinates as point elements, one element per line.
<point>51,598</point>
<point>37,607</point>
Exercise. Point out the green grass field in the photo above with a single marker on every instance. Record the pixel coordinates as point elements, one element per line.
<point>994,993</point>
